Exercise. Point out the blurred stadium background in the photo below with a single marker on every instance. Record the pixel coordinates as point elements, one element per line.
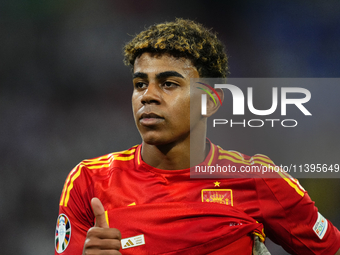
<point>65,93</point>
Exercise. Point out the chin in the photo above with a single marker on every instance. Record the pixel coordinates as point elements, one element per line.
<point>154,141</point>
<point>155,138</point>
<point>161,139</point>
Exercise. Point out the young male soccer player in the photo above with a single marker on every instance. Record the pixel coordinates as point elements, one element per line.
<point>143,201</point>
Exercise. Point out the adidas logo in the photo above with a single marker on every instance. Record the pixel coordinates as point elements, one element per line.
<point>128,243</point>
<point>132,241</point>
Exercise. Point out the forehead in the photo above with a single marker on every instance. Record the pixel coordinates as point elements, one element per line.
<point>156,63</point>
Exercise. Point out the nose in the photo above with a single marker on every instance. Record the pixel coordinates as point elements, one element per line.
<point>151,95</point>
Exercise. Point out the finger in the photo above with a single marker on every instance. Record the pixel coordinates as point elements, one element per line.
<point>104,233</point>
<point>102,244</point>
<point>99,213</point>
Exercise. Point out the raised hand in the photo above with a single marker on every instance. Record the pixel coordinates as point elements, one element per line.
<point>101,239</point>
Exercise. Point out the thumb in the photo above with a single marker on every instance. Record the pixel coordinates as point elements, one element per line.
<point>99,213</point>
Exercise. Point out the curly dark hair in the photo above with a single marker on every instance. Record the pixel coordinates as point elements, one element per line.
<point>181,38</point>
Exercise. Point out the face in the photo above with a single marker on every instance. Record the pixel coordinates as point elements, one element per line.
<point>161,98</point>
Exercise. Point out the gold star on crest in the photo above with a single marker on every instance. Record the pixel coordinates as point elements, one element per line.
<point>217,184</point>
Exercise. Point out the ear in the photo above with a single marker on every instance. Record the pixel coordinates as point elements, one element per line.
<point>214,105</point>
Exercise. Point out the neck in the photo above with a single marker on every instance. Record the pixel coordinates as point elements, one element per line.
<point>177,155</point>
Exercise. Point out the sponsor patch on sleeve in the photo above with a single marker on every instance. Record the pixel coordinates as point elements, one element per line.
<point>320,226</point>
<point>62,233</point>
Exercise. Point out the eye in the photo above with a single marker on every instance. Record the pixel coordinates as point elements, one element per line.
<point>140,85</point>
<point>169,84</point>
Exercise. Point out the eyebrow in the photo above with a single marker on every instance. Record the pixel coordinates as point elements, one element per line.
<point>168,74</point>
<point>139,75</point>
<point>161,75</point>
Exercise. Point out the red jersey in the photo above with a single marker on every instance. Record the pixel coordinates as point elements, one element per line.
<point>161,211</point>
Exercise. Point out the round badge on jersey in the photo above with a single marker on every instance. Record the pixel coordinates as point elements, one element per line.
<point>62,233</point>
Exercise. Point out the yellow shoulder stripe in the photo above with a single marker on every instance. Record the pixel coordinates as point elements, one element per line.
<point>66,194</point>
<point>212,155</point>
<point>266,159</point>
<point>138,155</point>
<point>96,163</point>
<point>293,185</point>
<point>260,158</point>
<point>130,152</point>
<point>106,160</point>
<point>66,185</point>
<point>232,153</point>
<point>242,161</point>
<point>125,158</point>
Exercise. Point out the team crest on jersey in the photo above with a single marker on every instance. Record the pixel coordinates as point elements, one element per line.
<point>62,233</point>
<point>221,196</point>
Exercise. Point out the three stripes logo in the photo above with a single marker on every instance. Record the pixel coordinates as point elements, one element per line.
<point>129,243</point>
<point>132,241</point>
<point>204,97</point>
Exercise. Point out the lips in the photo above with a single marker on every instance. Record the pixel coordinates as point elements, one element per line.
<point>150,119</point>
